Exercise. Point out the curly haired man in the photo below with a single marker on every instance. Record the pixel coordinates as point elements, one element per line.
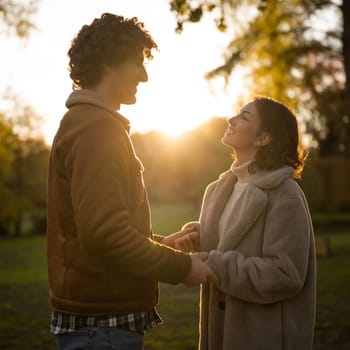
<point>104,262</point>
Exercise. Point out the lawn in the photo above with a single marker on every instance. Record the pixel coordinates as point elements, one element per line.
<point>24,310</point>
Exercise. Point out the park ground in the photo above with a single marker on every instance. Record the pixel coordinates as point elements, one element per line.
<point>25,315</point>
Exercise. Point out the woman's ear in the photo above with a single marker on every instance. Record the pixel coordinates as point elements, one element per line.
<point>263,139</point>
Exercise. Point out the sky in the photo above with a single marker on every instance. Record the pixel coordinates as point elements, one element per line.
<point>176,97</point>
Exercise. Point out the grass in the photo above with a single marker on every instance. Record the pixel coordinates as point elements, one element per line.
<point>24,308</point>
<point>170,217</point>
<point>333,294</point>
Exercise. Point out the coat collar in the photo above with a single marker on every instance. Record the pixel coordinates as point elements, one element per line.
<point>86,96</point>
<point>269,179</point>
<point>213,208</point>
<point>251,205</point>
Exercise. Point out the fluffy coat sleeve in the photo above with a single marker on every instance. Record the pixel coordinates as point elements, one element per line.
<point>280,271</point>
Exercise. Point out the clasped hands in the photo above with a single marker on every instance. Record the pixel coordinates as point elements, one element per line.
<point>188,240</point>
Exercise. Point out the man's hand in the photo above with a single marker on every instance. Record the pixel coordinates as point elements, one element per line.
<point>200,271</point>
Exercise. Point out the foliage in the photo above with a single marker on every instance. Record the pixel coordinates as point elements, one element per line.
<point>325,222</point>
<point>16,17</point>
<point>7,138</point>
<point>326,184</point>
<point>291,53</point>
<point>23,171</point>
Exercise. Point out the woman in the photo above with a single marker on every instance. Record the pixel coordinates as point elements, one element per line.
<point>256,226</point>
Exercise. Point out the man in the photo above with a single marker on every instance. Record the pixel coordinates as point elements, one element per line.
<point>103,261</point>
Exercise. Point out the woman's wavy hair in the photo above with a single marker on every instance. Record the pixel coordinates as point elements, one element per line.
<point>109,40</point>
<point>285,147</point>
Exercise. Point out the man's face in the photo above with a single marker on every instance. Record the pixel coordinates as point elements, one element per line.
<point>122,80</point>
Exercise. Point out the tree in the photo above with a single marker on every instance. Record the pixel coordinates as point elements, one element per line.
<point>28,186</point>
<point>16,17</point>
<point>6,157</point>
<point>345,7</point>
<point>23,171</point>
<point>288,57</point>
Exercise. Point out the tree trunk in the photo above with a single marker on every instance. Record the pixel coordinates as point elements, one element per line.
<point>18,189</point>
<point>346,54</point>
<point>18,226</point>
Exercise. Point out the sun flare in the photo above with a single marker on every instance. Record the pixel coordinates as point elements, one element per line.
<point>176,108</point>
<point>176,97</point>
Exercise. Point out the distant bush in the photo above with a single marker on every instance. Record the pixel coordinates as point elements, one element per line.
<point>325,222</point>
<point>326,184</point>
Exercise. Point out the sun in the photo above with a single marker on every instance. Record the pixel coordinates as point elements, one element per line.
<point>172,127</point>
<point>169,132</point>
<point>171,123</point>
<point>175,110</point>
<point>173,133</point>
<point>177,98</point>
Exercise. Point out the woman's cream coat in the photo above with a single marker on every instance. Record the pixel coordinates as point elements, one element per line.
<point>266,264</point>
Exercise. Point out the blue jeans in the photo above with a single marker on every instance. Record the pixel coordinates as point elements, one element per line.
<point>96,338</point>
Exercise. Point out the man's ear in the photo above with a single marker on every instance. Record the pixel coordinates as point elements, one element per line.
<point>106,68</point>
<point>263,139</point>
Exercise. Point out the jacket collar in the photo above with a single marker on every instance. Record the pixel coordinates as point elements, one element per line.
<point>252,204</point>
<point>86,96</point>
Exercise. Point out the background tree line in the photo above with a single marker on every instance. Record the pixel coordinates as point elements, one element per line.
<point>176,170</point>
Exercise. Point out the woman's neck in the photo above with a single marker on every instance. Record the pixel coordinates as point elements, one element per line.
<point>244,157</point>
<point>241,171</point>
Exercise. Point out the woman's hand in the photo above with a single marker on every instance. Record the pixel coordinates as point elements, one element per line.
<point>171,238</point>
<point>186,239</point>
<point>189,242</point>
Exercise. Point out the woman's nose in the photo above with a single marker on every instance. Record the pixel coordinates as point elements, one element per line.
<point>232,120</point>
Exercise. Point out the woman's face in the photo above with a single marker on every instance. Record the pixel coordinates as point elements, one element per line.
<point>243,132</point>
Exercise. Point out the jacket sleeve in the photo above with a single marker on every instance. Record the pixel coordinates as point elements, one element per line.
<point>98,163</point>
<point>281,271</point>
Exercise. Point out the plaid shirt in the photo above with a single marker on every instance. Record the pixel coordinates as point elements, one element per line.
<point>138,322</point>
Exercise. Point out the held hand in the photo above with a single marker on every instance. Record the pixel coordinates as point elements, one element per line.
<point>170,239</point>
<point>214,278</point>
<point>200,271</point>
<point>189,242</point>
<point>192,224</point>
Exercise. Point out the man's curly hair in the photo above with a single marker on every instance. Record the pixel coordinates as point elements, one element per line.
<point>285,147</point>
<point>109,40</point>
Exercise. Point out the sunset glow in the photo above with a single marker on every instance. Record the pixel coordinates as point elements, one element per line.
<point>175,99</point>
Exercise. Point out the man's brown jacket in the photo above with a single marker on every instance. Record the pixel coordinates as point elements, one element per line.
<point>102,258</point>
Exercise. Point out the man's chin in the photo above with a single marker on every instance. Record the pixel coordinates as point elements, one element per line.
<point>129,101</point>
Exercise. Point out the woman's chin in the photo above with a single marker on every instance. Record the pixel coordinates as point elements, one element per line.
<point>226,143</point>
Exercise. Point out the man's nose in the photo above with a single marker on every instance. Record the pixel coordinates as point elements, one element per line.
<point>143,76</point>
